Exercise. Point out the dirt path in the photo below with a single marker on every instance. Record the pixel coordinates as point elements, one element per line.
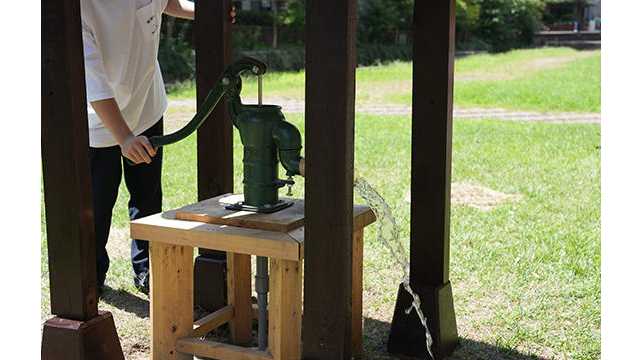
<point>182,110</point>
<point>515,70</point>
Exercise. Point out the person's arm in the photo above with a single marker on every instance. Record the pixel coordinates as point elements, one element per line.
<point>101,97</point>
<point>183,9</point>
<point>136,148</point>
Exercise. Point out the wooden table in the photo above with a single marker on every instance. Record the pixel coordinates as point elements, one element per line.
<point>172,241</point>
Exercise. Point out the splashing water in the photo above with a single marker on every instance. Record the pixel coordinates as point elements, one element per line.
<point>388,234</point>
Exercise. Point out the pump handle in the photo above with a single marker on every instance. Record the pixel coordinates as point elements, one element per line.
<point>229,81</point>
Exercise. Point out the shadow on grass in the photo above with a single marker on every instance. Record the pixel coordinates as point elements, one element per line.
<point>376,336</point>
<point>127,302</point>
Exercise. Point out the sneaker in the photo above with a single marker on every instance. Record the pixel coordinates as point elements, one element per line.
<point>142,283</point>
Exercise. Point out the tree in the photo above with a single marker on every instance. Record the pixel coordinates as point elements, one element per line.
<point>467,13</point>
<point>509,24</point>
<point>381,20</point>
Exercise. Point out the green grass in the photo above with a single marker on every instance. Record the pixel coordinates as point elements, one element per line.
<point>526,275</point>
<point>548,79</point>
<point>574,87</point>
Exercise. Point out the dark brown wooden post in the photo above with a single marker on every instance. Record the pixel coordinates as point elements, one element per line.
<point>79,330</point>
<point>434,31</point>
<point>330,113</point>
<point>213,45</point>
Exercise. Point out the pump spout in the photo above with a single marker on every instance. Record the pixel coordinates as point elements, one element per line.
<point>288,141</point>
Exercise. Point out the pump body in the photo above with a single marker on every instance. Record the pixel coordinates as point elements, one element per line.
<point>266,136</point>
<point>267,139</point>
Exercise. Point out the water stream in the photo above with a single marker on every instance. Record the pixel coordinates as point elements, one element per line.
<point>388,234</point>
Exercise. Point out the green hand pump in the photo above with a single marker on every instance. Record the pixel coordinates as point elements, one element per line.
<point>266,136</point>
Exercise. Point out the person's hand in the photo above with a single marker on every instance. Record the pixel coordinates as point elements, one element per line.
<point>138,149</point>
<point>233,14</point>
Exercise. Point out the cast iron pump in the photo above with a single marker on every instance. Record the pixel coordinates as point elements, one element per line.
<point>266,136</point>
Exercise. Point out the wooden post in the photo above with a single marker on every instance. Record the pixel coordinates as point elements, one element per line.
<point>213,45</point>
<point>71,241</point>
<point>434,32</point>
<point>284,334</point>
<point>330,115</point>
<point>239,293</point>
<point>171,298</point>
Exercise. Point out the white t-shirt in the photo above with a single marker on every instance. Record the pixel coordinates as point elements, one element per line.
<point>120,42</point>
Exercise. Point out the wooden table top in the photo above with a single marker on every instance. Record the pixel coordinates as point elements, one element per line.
<point>167,228</point>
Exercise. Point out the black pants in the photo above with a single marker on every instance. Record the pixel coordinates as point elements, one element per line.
<point>143,182</point>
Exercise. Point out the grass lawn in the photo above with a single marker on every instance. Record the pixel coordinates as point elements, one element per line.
<point>526,275</point>
<point>548,79</point>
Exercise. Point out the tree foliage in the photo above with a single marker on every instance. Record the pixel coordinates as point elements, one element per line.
<point>508,24</point>
<point>495,25</point>
<point>380,21</point>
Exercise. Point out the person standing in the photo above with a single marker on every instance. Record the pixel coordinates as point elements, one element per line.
<point>126,102</point>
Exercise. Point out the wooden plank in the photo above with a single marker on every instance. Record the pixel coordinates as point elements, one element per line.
<point>239,293</point>
<point>284,332</point>
<point>213,211</point>
<point>157,228</point>
<point>330,112</point>
<point>364,216</point>
<point>65,164</point>
<point>212,321</point>
<point>221,351</point>
<point>170,298</point>
<point>358,255</point>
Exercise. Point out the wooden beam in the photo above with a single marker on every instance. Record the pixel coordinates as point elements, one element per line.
<point>171,305</point>
<point>433,50</point>
<point>239,294</point>
<point>284,334</point>
<point>217,350</point>
<point>212,321</point>
<point>157,228</point>
<point>213,48</point>
<point>330,125</point>
<point>65,164</point>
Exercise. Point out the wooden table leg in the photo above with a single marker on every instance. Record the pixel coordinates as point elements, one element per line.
<point>239,296</point>
<point>358,254</point>
<point>170,298</point>
<point>285,306</point>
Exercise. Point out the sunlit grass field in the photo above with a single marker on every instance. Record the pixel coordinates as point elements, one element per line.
<point>549,79</point>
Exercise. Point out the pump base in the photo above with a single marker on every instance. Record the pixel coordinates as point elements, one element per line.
<point>267,209</point>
